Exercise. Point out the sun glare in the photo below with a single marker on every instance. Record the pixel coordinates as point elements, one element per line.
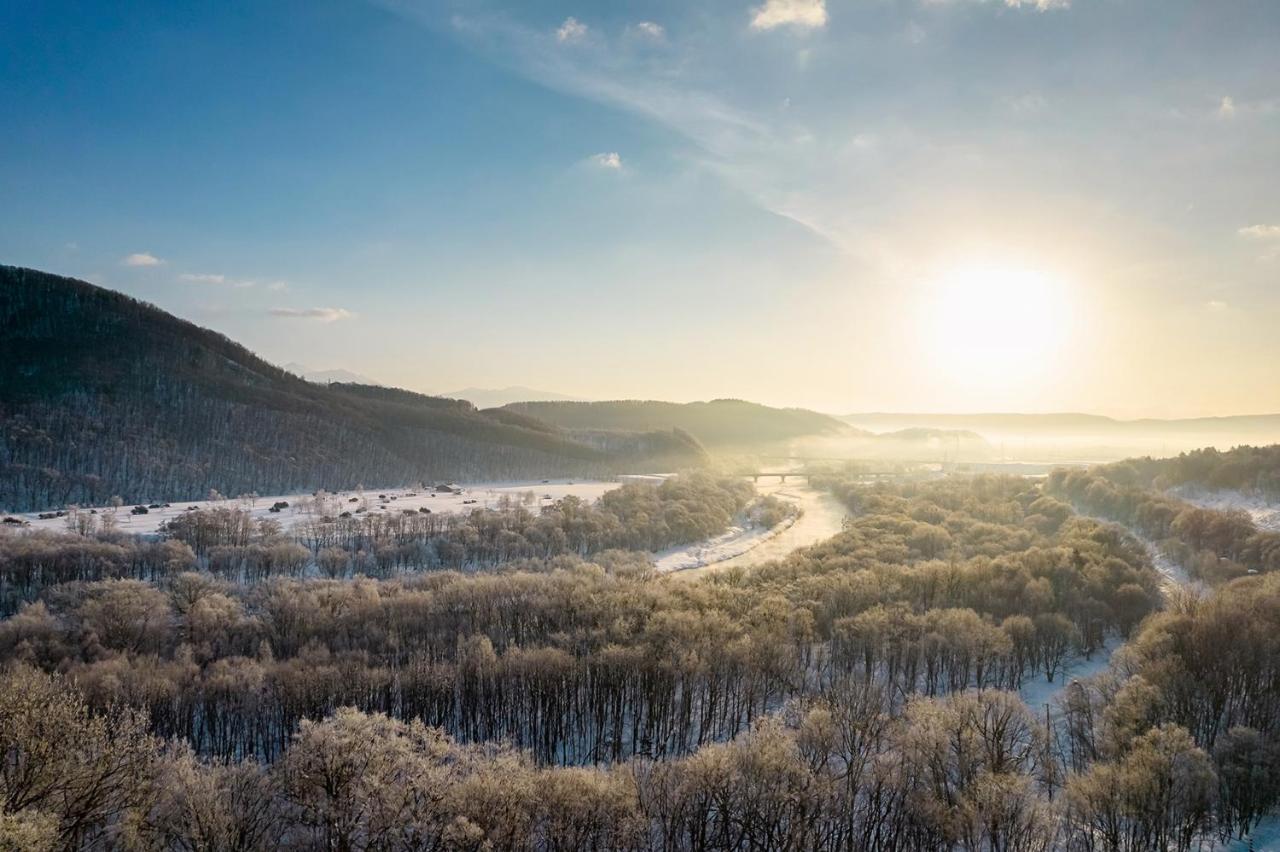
<point>992,326</point>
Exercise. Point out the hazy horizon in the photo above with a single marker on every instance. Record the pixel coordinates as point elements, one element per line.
<point>898,206</point>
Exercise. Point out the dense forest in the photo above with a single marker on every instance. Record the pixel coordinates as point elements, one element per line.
<point>105,396</point>
<point>1252,470</point>
<point>1213,545</point>
<point>333,541</point>
<point>860,694</point>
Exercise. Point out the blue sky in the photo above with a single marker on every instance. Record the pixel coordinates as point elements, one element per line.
<point>675,200</point>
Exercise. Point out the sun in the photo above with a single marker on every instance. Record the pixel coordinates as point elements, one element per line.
<point>991,326</point>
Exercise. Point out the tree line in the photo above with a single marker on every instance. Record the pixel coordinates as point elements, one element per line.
<point>929,590</point>
<point>1214,545</point>
<point>1253,470</point>
<point>855,695</point>
<point>333,540</point>
<point>847,769</point>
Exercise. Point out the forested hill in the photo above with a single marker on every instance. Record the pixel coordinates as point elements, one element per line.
<point>103,395</point>
<point>717,424</point>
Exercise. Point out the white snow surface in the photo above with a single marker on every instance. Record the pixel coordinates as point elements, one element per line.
<point>1265,514</point>
<point>739,539</point>
<point>820,516</point>
<point>304,507</point>
<point>1037,691</point>
<point>1265,837</point>
<point>735,541</point>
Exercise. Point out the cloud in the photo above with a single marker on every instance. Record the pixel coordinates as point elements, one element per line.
<point>805,14</point>
<point>1038,5</point>
<point>1041,5</point>
<point>142,258</point>
<point>318,314</point>
<point>208,278</point>
<point>1260,232</point>
<point>571,30</point>
<point>1025,104</point>
<point>611,76</point>
<point>1231,108</point>
<point>607,160</point>
<point>1216,305</point>
<point>650,30</point>
<point>733,141</point>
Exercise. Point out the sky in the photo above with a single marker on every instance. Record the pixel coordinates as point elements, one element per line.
<point>851,205</point>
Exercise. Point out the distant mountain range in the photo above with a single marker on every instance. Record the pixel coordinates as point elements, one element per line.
<point>737,426</point>
<point>329,377</point>
<point>1244,425</point>
<point>103,395</point>
<point>718,424</point>
<point>1069,437</point>
<point>498,397</point>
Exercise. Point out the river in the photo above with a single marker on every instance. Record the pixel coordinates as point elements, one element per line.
<point>823,516</point>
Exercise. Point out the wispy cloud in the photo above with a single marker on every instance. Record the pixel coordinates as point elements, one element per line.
<point>202,278</point>
<point>1269,236</point>
<point>223,280</point>
<point>1042,5</point>
<point>797,163</point>
<point>571,30</point>
<point>1038,5</point>
<point>1232,107</point>
<point>1025,104</point>
<point>650,30</point>
<point>607,160</point>
<point>743,146</point>
<point>1260,232</point>
<point>802,14</point>
<point>142,258</point>
<point>317,314</point>
<point>608,74</point>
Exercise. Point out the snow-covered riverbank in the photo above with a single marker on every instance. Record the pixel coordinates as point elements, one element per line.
<point>821,517</point>
<point>735,541</point>
<point>304,507</point>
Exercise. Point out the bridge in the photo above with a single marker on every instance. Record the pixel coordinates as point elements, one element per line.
<point>868,469</point>
<point>756,474</point>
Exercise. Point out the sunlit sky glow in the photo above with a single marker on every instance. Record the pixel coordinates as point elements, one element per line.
<point>942,205</point>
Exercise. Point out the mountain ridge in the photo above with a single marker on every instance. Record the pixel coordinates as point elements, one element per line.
<point>1053,420</point>
<point>105,395</point>
<point>716,423</point>
<point>498,397</point>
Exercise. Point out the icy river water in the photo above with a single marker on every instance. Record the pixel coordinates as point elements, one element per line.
<point>823,516</point>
